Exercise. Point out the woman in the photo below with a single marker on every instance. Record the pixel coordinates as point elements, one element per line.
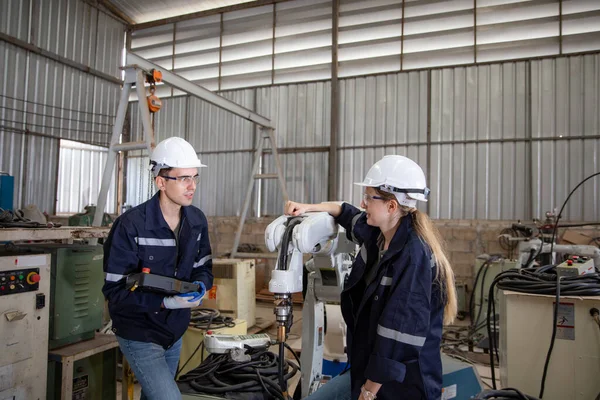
<point>399,293</point>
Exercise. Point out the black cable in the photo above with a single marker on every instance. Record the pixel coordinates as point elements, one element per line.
<point>503,394</point>
<point>282,381</point>
<point>563,207</point>
<point>294,353</point>
<point>220,374</point>
<point>57,107</point>
<point>554,322</point>
<point>40,115</point>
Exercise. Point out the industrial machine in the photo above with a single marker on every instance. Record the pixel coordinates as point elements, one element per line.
<point>486,269</point>
<point>87,217</point>
<point>94,378</point>
<point>316,234</point>
<point>76,308</point>
<point>24,299</point>
<point>76,290</point>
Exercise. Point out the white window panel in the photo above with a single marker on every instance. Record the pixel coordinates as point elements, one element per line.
<point>438,23</point>
<point>417,8</point>
<point>152,36</point>
<point>210,84</point>
<point>250,50</point>
<point>578,6</point>
<point>438,58</point>
<point>517,31</point>
<point>196,60</point>
<point>373,66</point>
<point>371,33</point>
<point>528,11</point>
<point>211,32</point>
<point>517,50</point>
<point>293,6</point>
<point>303,27</point>
<point>303,42</point>
<point>438,42</point>
<point>197,45</point>
<point>368,17</point>
<point>246,80</point>
<point>355,5</point>
<point>582,24</point>
<point>155,52</point>
<point>247,37</point>
<point>200,73</point>
<point>492,3</point>
<point>580,43</point>
<point>246,66</point>
<point>199,24</point>
<point>303,74</point>
<point>302,58</point>
<point>369,50</point>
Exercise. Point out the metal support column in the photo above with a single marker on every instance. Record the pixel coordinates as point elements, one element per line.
<point>267,134</point>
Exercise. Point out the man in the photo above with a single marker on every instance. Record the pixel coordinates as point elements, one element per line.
<point>169,236</point>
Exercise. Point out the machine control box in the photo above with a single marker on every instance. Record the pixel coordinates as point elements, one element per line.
<point>19,281</point>
<point>575,266</point>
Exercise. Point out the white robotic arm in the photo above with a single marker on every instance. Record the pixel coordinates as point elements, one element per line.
<point>310,233</point>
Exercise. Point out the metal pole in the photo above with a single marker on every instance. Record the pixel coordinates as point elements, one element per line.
<point>198,91</point>
<point>248,198</point>
<point>144,112</point>
<point>335,102</point>
<point>112,155</point>
<point>278,165</point>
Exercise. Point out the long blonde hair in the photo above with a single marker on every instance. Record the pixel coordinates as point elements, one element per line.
<point>431,235</point>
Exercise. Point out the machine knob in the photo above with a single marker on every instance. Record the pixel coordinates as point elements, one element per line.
<point>12,287</point>
<point>33,277</point>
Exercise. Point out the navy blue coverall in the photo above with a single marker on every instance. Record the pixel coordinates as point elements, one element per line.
<point>141,238</point>
<point>395,322</point>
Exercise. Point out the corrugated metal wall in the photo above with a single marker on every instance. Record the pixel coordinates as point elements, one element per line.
<point>43,99</point>
<point>80,176</point>
<point>498,141</point>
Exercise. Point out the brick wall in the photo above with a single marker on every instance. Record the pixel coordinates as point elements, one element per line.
<point>465,240</point>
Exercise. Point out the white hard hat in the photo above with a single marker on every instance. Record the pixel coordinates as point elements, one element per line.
<point>400,176</point>
<point>174,152</point>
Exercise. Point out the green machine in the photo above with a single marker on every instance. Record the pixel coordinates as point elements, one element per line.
<point>94,378</point>
<point>486,269</point>
<point>87,217</point>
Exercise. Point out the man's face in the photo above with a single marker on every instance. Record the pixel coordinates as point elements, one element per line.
<point>179,185</point>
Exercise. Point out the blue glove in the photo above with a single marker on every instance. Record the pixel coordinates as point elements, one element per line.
<point>202,288</point>
<point>184,300</point>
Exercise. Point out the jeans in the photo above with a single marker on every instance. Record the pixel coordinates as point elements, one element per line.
<point>154,367</point>
<point>336,389</point>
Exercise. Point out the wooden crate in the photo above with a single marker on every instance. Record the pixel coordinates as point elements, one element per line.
<point>233,291</point>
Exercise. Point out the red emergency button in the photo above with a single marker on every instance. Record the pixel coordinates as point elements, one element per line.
<point>2,288</point>
<point>33,277</point>
<point>569,262</point>
<point>146,270</point>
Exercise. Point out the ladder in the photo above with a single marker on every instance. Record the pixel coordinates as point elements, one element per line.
<point>267,134</point>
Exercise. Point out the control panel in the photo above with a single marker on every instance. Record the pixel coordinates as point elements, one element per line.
<point>576,265</point>
<point>19,281</point>
<point>24,318</point>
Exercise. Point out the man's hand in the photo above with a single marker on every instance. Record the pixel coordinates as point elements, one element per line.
<point>184,300</point>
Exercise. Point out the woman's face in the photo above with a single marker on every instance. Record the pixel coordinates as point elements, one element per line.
<point>376,207</point>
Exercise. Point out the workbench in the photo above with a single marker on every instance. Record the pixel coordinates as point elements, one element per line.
<point>67,356</point>
<point>62,233</point>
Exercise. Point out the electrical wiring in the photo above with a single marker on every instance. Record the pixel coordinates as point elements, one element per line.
<point>55,107</point>
<point>42,115</point>
<point>504,394</point>
<point>60,128</point>
<point>220,374</point>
